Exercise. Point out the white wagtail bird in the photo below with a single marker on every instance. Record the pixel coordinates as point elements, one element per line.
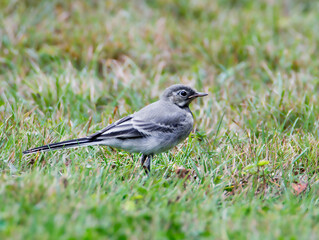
<point>155,128</point>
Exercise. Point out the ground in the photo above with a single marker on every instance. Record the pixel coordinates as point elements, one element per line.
<point>249,170</point>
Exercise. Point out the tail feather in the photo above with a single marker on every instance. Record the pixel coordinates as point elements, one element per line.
<point>63,145</point>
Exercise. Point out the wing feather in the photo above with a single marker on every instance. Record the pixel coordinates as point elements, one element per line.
<point>153,127</point>
<point>113,127</point>
<point>129,127</point>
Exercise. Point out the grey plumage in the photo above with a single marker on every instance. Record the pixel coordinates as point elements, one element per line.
<point>154,129</point>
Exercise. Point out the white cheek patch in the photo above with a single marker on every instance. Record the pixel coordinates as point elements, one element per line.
<point>182,104</point>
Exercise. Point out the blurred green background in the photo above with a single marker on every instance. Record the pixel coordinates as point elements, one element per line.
<point>69,68</point>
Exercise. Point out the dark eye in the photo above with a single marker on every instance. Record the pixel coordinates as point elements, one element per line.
<point>183,93</point>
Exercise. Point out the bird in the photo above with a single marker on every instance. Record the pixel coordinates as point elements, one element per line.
<point>154,129</point>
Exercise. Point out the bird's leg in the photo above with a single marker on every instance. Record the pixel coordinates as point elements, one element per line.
<point>147,164</point>
<point>143,158</point>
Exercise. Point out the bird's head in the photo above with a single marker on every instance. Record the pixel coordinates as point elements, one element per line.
<point>181,95</point>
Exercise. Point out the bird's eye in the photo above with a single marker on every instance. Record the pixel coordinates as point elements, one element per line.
<point>183,93</point>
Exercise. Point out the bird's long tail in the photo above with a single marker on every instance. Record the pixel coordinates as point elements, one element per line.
<point>80,142</point>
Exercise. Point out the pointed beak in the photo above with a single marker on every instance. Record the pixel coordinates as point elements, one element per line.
<point>198,94</point>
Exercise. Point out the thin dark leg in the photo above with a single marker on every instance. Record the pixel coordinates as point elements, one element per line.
<point>143,158</point>
<point>147,164</point>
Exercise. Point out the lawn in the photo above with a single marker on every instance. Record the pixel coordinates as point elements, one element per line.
<point>249,169</point>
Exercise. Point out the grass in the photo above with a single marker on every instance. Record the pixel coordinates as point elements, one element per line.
<point>67,69</point>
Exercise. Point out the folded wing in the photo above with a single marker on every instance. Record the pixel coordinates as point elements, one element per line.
<point>130,127</point>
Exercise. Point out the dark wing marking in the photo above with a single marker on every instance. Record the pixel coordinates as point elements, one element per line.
<point>122,128</point>
<point>128,127</point>
<point>104,130</point>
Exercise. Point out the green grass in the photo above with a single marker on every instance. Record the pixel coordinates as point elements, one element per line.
<point>69,68</point>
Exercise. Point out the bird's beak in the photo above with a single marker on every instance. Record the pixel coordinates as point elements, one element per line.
<point>198,94</point>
